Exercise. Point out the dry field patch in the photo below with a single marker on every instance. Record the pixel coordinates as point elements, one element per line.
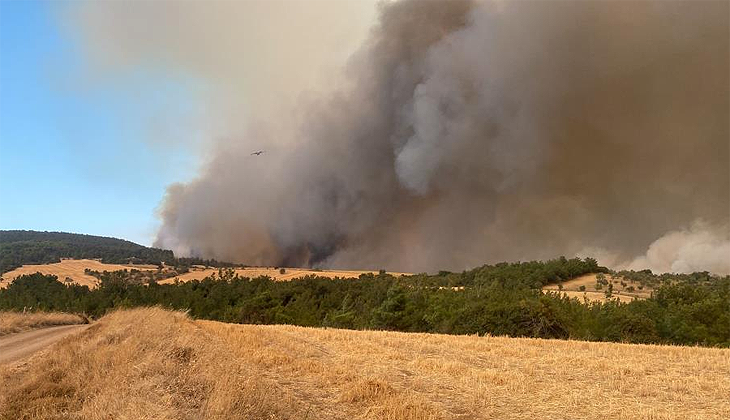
<point>67,268</point>
<point>75,271</point>
<point>13,322</point>
<point>199,273</point>
<point>571,288</point>
<point>155,364</point>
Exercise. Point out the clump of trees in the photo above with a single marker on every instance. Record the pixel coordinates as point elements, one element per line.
<point>501,299</point>
<point>133,276</point>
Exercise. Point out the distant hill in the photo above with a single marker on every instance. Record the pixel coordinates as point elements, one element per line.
<point>19,247</point>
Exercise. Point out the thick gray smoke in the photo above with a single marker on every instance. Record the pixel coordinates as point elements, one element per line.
<point>467,133</point>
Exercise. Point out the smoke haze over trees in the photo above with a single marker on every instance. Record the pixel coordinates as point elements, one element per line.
<point>460,133</point>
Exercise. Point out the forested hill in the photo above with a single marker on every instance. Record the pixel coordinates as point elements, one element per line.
<point>19,247</point>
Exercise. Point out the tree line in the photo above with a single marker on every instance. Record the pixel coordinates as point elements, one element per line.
<point>501,299</point>
<point>19,247</point>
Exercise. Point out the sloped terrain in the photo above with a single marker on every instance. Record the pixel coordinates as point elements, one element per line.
<point>74,272</point>
<point>156,364</point>
<point>589,282</point>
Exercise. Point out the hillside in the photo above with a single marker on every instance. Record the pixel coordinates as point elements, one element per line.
<point>593,287</point>
<point>71,271</point>
<point>86,272</point>
<point>155,364</point>
<point>19,247</point>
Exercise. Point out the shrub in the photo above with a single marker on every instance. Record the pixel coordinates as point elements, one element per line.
<point>582,288</point>
<point>282,270</point>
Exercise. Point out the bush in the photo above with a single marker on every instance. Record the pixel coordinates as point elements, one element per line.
<point>582,288</point>
<point>282,270</point>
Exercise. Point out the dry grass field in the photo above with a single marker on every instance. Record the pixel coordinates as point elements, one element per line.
<point>199,273</point>
<point>74,270</point>
<point>155,364</point>
<point>13,322</point>
<point>572,289</point>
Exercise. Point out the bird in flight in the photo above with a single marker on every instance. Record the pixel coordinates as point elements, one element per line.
<point>257,153</point>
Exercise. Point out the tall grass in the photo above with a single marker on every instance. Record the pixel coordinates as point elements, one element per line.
<point>155,364</point>
<point>13,322</point>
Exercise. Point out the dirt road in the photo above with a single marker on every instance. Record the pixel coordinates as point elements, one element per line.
<point>17,346</point>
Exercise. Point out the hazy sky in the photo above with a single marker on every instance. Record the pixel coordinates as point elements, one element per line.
<point>64,144</point>
<point>89,144</point>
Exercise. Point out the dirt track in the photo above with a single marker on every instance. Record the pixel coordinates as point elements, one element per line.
<point>18,346</point>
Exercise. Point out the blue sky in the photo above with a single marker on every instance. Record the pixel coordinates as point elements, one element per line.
<point>76,155</point>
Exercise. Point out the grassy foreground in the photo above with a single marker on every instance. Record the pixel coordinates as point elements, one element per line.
<point>13,322</point>
<point>156,364</point>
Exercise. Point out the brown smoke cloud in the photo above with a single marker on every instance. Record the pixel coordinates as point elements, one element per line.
<point>462,133</point>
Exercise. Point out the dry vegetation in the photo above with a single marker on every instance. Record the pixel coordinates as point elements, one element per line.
<point>154,364</point>
<point>571,288</point>
<point>69,269</point>
<point>199,273</point>
<point>13,322</point>
<point>73,271</point>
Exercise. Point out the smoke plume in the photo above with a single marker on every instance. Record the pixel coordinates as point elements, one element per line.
<point>698,248</point>
<point>461,133</point>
